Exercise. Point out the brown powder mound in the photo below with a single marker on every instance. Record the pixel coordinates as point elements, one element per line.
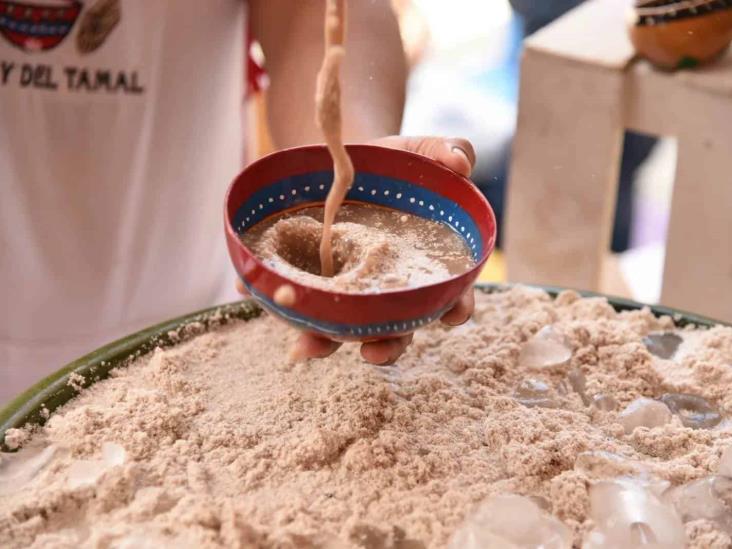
<point>227,445</point>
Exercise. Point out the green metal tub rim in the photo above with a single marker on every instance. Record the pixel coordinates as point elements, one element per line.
<point>34,406</point>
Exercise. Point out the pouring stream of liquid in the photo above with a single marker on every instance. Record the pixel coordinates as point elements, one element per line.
<point>328,118</point>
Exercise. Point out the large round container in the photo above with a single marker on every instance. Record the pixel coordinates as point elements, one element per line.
<point>54,391</point>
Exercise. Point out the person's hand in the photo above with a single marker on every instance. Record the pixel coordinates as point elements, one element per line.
<point>456,154</point>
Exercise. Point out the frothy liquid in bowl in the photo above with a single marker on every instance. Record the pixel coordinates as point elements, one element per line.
<point>374,248</point>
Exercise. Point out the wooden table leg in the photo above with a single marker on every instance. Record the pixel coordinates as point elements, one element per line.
<point>698,268</point>
<point>564,172</point>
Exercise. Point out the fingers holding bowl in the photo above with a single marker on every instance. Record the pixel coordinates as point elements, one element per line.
<point>455,153</point>
<point>312,346</point>
<point>241,289</point>
<point>386,351</point>
<point>462,311</point>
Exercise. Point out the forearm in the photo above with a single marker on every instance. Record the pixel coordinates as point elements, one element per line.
<point>373,73</point>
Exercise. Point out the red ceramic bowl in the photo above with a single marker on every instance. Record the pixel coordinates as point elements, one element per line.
<point>395,179</point>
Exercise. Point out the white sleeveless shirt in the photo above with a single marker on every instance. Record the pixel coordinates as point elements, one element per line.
<point>120,129</point>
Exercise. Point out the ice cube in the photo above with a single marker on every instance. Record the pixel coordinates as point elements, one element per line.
<point>86,472</point>
<point>543,503</point>
<point>725,463</point>
<point>113,454</point>
<point>511,522</point>
<point>599,464</point>
<point>644,412</point>
<point>706,498</point>
<point>604,403</point>
<point>545,349</point>
<point>602,464</point>
<point>629,515</point>
<point>578,382</point>
<point>19,468</point>
<point>641,534</point>
<point>694,411</point>
<point>534,392</point>
<point>662,344</point>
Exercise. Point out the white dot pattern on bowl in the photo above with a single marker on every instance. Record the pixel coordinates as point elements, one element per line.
<point>401,195</point>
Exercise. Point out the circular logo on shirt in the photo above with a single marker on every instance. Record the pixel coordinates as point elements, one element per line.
<point>42,25</point>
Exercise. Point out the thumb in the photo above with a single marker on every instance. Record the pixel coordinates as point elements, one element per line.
<point>454,152</point>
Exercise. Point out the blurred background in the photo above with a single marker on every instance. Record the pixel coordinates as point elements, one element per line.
<point>464,58</point>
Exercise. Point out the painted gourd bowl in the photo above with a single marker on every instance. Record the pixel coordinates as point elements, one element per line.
<point>681,33</point>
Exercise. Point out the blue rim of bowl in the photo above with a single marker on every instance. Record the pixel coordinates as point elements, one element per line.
<point>311,188</point>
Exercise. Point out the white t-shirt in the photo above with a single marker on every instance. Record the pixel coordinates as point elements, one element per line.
<point>120,129</point>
